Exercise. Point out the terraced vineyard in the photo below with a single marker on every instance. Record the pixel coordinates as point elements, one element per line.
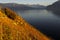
<point>14,27</point>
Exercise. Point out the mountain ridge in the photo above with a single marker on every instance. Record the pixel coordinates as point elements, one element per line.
<point>55,6</point>
<point>16,6</point>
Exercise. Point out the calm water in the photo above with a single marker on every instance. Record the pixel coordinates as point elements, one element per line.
<point>45,21</point>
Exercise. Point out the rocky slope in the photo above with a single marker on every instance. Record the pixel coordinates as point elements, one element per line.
<point>14,27</point>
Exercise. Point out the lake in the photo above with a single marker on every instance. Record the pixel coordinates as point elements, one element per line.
<point>45,21</point>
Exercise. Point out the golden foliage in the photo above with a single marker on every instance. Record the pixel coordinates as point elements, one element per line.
<point>14,27</point>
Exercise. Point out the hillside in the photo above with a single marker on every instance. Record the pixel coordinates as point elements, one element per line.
<point>14,27</point>
<point>54,7</point>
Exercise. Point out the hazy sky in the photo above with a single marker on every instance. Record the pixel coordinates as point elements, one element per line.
<point>42,2</point>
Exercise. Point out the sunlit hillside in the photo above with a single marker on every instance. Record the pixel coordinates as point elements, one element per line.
<point>14,27</point>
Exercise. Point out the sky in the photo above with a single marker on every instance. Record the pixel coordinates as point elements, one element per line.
<point>41,2</point>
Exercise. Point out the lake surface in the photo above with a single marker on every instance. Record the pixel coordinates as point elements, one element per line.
<point>45,21</point>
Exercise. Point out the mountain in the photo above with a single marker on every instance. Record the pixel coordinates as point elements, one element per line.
<point>54,7</point>
<point>14,27</point>
<point>38,6</point>
<point>15,6</point>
